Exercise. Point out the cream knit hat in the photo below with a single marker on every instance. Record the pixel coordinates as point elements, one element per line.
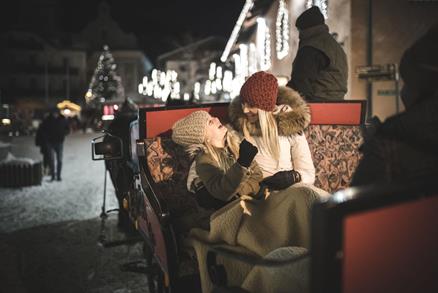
<point>191,129</point>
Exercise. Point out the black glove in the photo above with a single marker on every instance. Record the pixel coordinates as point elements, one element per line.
<point>247,152</point>
<point>261,194</point>
<point>282,179</point>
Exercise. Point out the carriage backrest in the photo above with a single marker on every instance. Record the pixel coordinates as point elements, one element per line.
<point>159,121</point>
<point>376,239</point>
<point>334,135</point>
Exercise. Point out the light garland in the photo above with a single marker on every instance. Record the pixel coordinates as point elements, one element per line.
<point>236,29</point>
<point>267,50</point>
<point>244,63</point>
<point>322,4</point>
<point>282,30</point>
<point>220,81</point>
<point>161,85</point>
<point>252,59</point>
<point>264,44</point>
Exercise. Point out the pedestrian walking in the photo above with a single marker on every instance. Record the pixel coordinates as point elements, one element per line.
<point>42,143</point>
<point>56,130</point>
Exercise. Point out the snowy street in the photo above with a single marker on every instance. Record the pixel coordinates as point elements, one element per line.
<point>77,197</point>
<point>48,233</point>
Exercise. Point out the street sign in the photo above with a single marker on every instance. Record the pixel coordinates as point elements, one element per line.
<point>377,72</point>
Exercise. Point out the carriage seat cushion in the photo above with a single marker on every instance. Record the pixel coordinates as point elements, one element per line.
<point>168,166</point>
<point>335,153</point>
<point>334,148</point>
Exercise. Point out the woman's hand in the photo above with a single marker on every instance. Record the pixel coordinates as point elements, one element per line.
<point>263,192</point>
<point>247,152</point>
<point>282,179</point>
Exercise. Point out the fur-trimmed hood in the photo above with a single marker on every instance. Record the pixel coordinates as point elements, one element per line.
<point>194,150</point>
<point>289,122</point>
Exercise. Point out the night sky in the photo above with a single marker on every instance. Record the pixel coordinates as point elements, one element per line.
<point>158,24</point>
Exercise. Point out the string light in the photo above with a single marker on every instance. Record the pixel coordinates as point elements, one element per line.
<point>196,90</point>
<point>228,79</point>
<point>244,59</point>
<point>252,59</point>
<point>322,4</point>
<point>161,85</point>
<point>207,87</point>
<point>212,71</point>
<point>282,30</point>
<point>236,29</point>
<point>263,44</point>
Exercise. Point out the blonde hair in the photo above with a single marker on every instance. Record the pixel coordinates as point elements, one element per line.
<point>221,155</point>
<point>269,130</point>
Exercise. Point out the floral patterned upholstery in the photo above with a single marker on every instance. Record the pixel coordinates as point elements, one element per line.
<point>335,151</point>
<point>334,148</point>
<point>169,165</point>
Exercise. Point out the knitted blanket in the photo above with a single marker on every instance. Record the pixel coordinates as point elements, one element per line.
<point>256,228</point>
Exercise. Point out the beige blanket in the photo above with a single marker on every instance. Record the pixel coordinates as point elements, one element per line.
<point>282,220</point>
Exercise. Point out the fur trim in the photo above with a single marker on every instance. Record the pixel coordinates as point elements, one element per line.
<point>289,123</point>
<point>194,149</point>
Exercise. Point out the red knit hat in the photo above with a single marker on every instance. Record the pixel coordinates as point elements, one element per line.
<point>260,91</point>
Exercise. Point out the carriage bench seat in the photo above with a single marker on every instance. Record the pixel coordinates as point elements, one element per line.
<point>334,137</point>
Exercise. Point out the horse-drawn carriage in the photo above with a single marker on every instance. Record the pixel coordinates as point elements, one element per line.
<point>149,172</point>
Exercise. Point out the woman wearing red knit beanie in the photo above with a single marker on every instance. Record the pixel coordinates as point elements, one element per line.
<point>273,118</point>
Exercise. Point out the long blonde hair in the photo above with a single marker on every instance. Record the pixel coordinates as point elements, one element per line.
<point>221,155</point>
<point>269,130</point>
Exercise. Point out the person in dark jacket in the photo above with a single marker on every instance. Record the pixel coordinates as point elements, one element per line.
<point>404,148</point>
<point>56,129</point>
<point>41,141</point>
<point>320,69</point>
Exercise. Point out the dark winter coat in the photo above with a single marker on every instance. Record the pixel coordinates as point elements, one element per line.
<point>226,185</point>
<point>403,149</point>
<point>320,69</point>
<point>292,117</point>
<point>56,129</point>
<point>289,123</point>
<point>41,136</point>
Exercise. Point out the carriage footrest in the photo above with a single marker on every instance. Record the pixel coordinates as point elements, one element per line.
<point>140,266</point>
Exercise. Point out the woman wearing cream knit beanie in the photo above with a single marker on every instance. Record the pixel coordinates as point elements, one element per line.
<point>191,129</point>
<point>224,164</point>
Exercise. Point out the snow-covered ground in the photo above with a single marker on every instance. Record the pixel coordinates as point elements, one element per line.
<point>77,197</point>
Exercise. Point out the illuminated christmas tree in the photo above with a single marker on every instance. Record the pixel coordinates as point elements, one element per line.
<point>105,83</point>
